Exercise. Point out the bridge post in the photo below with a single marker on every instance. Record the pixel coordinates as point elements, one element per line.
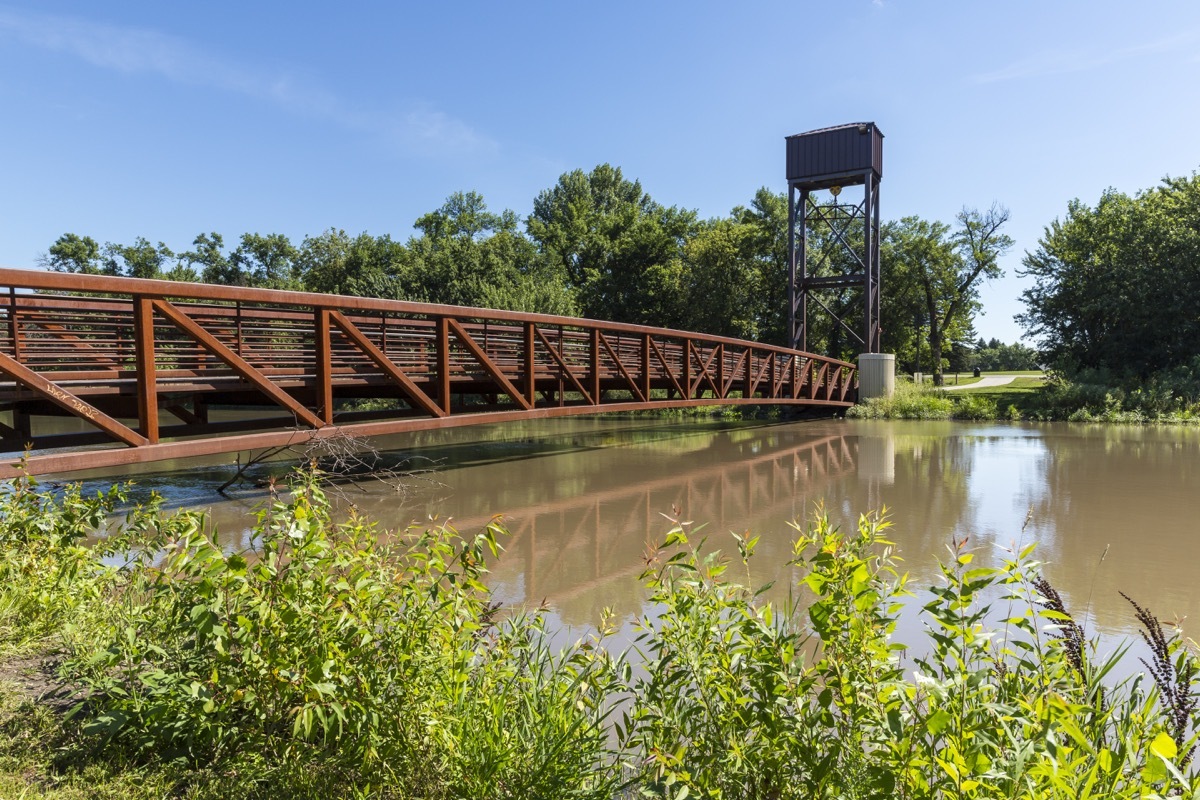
<point>324,366</point>
<point>443,363</point>
<point>147,377</point>
<point>530,364</point>
<point>645,358</point>
<point>594,356</point>
<point>685,376</point>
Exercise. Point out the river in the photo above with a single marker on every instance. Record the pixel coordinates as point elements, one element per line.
<point>1110,507</point>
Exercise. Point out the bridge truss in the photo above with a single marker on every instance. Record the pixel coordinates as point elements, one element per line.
<point>154,367</point>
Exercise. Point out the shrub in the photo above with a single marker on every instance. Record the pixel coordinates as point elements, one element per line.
<point>50,579</point>
<point>907,402</point>
<point>976,407</point>
<point>376,663</point>
<point>1012,707</point>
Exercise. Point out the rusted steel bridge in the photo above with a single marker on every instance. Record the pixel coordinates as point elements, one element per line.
<point>154,366</point>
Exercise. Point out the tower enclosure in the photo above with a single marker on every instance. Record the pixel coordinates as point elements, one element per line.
<point>833,240</point>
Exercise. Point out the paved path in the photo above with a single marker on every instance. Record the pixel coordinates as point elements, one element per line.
<point>983,383</point>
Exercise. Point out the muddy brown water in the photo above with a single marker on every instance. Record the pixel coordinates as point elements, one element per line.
<point>1110,507</point>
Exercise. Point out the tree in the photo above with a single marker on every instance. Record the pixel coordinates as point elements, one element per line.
<point>210,261</point>
<point>1115,285</point>
<point>766,246</point>
<point>73,253</point>
<point>721,280</point>
<point>614,246</point>
<point>267,261</point>
<point>365,265</point>
<point>995,355</point>
<point>138,260</point>
<point>947,269</point>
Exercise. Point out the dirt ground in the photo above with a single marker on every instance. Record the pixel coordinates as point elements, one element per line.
<point>32,677</point>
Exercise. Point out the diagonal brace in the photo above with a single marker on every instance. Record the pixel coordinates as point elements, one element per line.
<point>235,362</point>
<point>64,399</point>
<point>386,364</point>
<point>489,365</point>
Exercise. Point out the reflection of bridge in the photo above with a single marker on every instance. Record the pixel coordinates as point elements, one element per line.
<point>118,352</point>
<point>572,546</point>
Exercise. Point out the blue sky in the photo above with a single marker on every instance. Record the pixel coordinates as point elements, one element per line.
<point>164,120</point>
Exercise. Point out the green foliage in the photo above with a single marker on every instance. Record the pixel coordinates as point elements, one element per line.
<point>935,276</point>
<point>908,402</point>
<point>50,578</point>
<point>1095,396</point>
<point>720,282</point>
<point>378,664</point>
<point>975,407</point>
<point>330,661</point>
<point>1115,284</point>
<point>995,356</point>
<point>73,253</point>
<point>615,246</point>
<point>138,260</point>
<point>745,700</point>
<point>267,261</point>
<point>730,706</point>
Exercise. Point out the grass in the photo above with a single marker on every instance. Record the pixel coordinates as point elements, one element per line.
<point>960,380</point>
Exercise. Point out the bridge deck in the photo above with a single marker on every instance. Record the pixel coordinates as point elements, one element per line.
<point>145,361</point>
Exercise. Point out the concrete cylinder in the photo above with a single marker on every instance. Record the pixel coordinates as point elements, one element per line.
<point>876,375</point>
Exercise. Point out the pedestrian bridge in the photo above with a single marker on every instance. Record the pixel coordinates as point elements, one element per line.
<point>163,370</point>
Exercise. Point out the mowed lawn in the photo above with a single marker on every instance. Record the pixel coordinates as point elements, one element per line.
<point>1022,392</point>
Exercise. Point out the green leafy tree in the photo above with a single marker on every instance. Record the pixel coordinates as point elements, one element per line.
<point>211,262</point>
<point>996,355</point>
<point>467,255</point>
<point>73,253</point>
<point>903,310</point>
<point>721,280</point>
<point>138,260</point>
<point>618,248</point>
<point>372,266</point>
<point>765,246</point>
<point>267,261</point>
<point>1115,285</point>
<point>947,270</point>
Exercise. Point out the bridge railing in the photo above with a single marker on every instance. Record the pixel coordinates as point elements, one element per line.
<point>119,352</point>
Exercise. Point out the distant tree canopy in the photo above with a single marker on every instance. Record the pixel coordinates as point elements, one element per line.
<point>995,355</point>
<point>596,244</point>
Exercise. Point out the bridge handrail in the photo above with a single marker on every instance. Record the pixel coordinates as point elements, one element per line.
<point>163,289</point>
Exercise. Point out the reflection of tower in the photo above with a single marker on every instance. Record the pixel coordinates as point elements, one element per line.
<point>876,466</point>
<point>832,159</point>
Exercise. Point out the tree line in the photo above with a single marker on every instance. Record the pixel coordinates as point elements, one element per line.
<point>597,245</point>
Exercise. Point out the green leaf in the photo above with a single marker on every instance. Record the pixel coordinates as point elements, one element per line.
<point>938,722</point>
<point>1164,747</point>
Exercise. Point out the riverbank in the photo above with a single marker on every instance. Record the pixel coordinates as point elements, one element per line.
<point>332,662</point>
<point>1031,397</point>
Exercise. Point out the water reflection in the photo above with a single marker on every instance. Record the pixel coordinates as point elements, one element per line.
<point>584,499</point>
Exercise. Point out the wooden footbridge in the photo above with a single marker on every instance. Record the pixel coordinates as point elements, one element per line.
<point>162,370</point>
